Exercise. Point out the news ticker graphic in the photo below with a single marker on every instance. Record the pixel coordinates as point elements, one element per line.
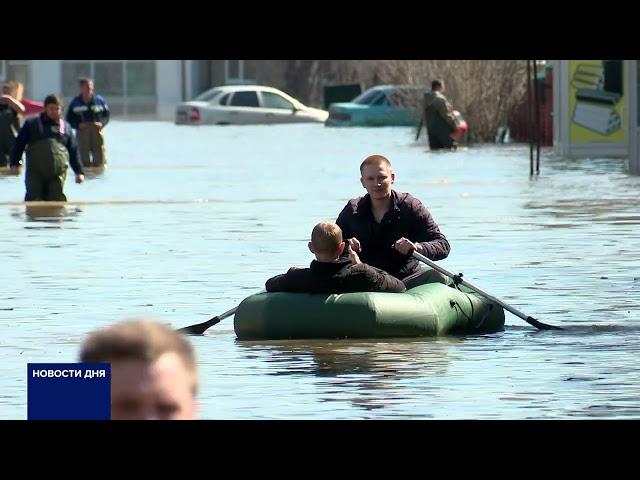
<point>68,391</point>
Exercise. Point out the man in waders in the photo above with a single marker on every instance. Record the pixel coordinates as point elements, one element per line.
<point>51,145</point>
<point>440,121</point>
<point>88,114</point>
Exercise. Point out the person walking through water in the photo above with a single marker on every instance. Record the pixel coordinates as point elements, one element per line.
<point>11,111</point>
<point>440,120</point>
<point>88,114</point>
<point>51,145</point>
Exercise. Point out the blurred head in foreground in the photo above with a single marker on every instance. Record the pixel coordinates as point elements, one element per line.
<point>153,370</point>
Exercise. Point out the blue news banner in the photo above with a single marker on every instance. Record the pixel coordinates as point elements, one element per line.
<point>69,391</point>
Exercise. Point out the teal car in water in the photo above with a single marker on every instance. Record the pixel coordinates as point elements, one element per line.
<point>380,106</point>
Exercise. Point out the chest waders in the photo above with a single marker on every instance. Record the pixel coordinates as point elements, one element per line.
<point>47,160</point>
<point>438,130</point>
<point>91,146</point>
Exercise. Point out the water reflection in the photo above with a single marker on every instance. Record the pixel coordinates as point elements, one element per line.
<point>587,209</point>
<point>369,374</point>
<point>585,165</point>
<point>7,172</point>
<point>46,214</point>
<point>94,172</point>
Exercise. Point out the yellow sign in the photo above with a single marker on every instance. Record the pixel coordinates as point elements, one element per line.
<point>597,101</point>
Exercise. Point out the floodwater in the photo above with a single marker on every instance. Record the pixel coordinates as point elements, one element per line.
<point>188,221</point>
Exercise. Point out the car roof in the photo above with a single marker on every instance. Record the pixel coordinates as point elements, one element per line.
<point>260,88</point>
<point>393,87</point>
<point>235,88</point>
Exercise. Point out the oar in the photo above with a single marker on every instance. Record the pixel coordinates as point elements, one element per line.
<point>200,328</point>
<point>419,129</point>
<point>458,279</point>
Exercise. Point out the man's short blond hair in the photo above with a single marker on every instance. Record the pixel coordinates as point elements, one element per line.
<point>374,160</point>
<point>138,340</point>
<point>326,237</point>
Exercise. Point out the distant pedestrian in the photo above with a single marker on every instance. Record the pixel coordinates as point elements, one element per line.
<point>440,120</point>
<point>88,113</point>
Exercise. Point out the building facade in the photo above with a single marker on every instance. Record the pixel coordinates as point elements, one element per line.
<point>138,89</point>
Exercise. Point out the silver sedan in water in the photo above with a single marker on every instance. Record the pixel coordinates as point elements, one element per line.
<point>245,104</point>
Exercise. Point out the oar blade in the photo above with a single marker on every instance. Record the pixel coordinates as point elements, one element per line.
<point>542,326</point>
<point>200,328</point>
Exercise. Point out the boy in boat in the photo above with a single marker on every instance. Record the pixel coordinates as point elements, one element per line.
<point>329,273</point>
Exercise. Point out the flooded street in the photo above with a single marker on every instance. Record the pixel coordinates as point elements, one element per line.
<point>186,222</point>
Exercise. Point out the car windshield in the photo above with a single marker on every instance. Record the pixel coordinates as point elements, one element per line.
<point>365,98</point>
<point>208,95</point>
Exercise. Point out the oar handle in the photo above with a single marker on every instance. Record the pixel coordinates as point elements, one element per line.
<point>228,313</point>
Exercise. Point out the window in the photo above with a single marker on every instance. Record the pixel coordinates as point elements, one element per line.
<point>71,73</point>
<point>273,100</point>
<point>108,79</point>
<point>237,72</point>
<point>365,98</point>
<point>234,68</point>
<point>247,98</point>
<point>141,79</point>
<point>129,87</point>
<point>250,70</point>
<point>381,101</point>
<point>225,99</point>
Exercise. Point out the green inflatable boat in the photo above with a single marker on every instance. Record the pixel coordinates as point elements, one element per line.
<point>427,310</point>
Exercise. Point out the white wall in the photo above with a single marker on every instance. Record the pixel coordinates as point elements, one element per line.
<point>168,87</point>
<point>46,78</point>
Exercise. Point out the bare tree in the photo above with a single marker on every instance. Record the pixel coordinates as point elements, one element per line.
<point>486,92</point>
<point>305,79</point>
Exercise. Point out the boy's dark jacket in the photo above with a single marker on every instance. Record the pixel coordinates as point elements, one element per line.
<point>335,277</point>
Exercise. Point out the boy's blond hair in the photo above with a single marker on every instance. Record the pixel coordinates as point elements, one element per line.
<point>326,238</point>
